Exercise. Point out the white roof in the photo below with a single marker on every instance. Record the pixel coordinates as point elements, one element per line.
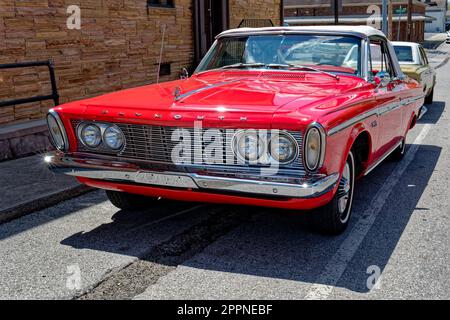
<point>360,30</point>
<point>404,43</point>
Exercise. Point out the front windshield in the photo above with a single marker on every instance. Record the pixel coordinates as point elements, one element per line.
<point>335,54</point>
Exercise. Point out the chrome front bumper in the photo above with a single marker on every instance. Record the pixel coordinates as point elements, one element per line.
<point>125,172</point>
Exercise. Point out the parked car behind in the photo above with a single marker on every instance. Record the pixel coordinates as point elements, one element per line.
<point>414,63</point>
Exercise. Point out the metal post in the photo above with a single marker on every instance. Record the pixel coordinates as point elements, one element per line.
<point>384,26</point>
<point>336,11</point>
<point>409,23</point>
<point>390,24</point>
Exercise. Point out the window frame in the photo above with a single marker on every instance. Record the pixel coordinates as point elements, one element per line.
<point>150,4</point>
<point>384,51</point>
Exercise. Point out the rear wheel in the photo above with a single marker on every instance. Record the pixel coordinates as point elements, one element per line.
<point>333,218</point>
<point>129,201</point>
<point>429,97</point>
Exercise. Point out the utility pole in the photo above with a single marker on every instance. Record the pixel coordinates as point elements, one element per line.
<point>336,11</point>
<point>409,23</point>
<point>390,25</point>
<point>384,26</point>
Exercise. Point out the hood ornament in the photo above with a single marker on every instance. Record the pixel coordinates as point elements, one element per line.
<point>176,93</point>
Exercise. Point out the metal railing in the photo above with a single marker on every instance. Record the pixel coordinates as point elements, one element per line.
<point>53,96</point>
<point>255,23</point>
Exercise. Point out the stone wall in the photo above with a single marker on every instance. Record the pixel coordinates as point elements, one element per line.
<point>254,9</point>
<point>117,47</point>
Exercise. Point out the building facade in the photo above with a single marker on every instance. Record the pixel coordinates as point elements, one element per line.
<point>359,12</point>
<point>438,10</point>
<point>117,46</point>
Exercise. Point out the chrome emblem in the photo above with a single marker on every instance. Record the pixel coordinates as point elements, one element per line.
<point>138,114</point>
<point>200,117</point>
<point>177,92</point>
<point>121,114</point>
<point>157,116</point>
<point>177,117</point>
<point>221,117</point>
<point>243,118</point>
<point>104,111</point>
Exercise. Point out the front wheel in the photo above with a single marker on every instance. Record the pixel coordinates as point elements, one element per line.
<point>333,218</point>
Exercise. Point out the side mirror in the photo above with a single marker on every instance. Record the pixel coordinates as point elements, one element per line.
<point>382,79</point>
<point>184,74</point>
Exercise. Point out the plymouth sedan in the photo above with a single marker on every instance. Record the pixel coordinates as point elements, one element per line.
<point>414,63</point>
<point>282,117</point>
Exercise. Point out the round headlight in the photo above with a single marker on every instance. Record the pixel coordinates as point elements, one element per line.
<point>312,148</point>
<point>91,136</point>
<point>56,134</point>
<point>113,137</point>
<point>283,148</point>
<point>247,145</point>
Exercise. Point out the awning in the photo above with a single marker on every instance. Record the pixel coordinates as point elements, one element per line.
<point>354,19</point>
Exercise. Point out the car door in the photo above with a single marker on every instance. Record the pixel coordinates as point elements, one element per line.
<point>388,98</point>
<point>427,71</point>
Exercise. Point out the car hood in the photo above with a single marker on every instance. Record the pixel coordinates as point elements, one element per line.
<point>232,94</point>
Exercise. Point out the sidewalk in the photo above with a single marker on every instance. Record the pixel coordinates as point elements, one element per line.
<point>26,185</point>
<point>439,56</point>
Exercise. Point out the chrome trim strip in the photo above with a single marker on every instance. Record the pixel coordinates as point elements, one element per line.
<point>215,85</point>
<point>352,121</point>
<point>61,128</point>
<point>122,173</point>
<point>382,158</point>
<point>378,111</point>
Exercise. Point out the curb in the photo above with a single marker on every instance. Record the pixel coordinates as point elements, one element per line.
<point>42,202</point>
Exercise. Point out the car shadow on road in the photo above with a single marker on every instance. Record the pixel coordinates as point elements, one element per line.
<point>434,112</point>
<point>277,244</point>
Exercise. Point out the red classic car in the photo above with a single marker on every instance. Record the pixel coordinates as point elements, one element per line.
<point>284,117</point>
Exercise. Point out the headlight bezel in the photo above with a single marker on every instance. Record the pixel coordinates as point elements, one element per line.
<point>62,131</point>
<point>104,140</point>
<point>103,146</point>
<point>82,126</point>
<point>322,146</point>
<point>293,141</point>
<point>235,144</point>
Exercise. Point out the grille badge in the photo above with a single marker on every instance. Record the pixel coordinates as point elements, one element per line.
<point>158,116</point>
<point>177,117</point>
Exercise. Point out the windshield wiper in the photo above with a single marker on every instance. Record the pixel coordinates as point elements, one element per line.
<point>299,67</point>
<point>243,65</point>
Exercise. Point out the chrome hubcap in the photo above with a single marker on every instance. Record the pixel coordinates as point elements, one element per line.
<point>344,193</point>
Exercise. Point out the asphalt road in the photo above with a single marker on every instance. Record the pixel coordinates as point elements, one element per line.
<point>85,248</point>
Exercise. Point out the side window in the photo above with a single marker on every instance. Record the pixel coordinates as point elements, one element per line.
<point>423,55</point>
<point>380,59</point>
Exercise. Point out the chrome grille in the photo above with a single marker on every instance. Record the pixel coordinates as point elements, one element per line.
<point>154,144</point>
